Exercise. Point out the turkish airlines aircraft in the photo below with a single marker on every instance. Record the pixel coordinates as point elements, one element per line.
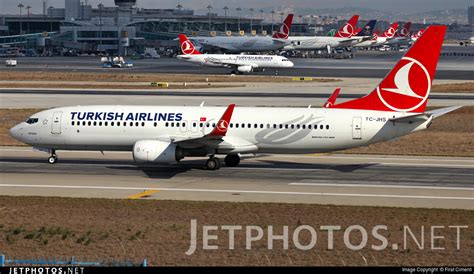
<point>402,37</point>
<point>238,44</point>
<point>379,40</point>
<point>342,38</point>
<point>167,134</point>
<point>236,62</point>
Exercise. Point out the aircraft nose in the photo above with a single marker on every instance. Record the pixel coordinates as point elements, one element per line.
<point>290,64</point>
<point>17,131</point>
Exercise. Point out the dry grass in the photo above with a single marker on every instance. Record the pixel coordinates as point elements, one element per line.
<point>104,229</point>
<point>142,77</point>
<point>449,135</point>
<point>465,87</point>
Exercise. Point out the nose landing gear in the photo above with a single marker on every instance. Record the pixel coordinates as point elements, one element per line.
<point>53,158</point>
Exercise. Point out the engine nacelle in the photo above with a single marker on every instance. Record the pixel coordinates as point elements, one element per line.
<point>244,69</point>
<point>153,151</point>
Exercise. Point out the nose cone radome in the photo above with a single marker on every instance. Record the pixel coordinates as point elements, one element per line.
<point>290,64</point>
<point>17,132</point>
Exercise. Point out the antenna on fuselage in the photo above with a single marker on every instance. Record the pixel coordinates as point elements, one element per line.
<point>202,104</point>
<point>309,106</point>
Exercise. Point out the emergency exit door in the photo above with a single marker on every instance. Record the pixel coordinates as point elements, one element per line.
<point>56,125</point>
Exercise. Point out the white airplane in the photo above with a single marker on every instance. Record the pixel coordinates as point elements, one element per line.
<point>379,40</point>
<point>342,38</point>
<point>167,134</point>
<point>237,62</point>
<point>238,44</point>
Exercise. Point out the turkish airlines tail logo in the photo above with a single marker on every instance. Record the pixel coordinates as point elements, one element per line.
<point>407,86</point>
<point>390,32</point>
<point>284,31</point>
<point>348,29</point>
<point>405,31</point>
<point>187,46</point>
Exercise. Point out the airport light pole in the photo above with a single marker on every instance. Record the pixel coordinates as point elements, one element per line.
<point>21,21</point>
<point>209,14</point>
<point>273,19</point>
<point>100,6</point>
<point>251,19</point>
<point>28,23</point>
<point>238,17</point>
<point>301,23</point>
<point>261,20</point>
<point>179,7</point>
<point>225,8</point>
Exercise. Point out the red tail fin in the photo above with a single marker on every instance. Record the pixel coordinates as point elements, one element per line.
<point>390,32</point>
<point>407,86</point>
<point>348,29</point>
<point>405,31</point>
<point>284,31</point>
<point>187,46</point>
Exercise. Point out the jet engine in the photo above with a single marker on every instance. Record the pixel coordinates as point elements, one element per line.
<point>243,69</point>
<point>153,151</point>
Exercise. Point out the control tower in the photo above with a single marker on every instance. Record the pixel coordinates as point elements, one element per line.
<point>124,14</point>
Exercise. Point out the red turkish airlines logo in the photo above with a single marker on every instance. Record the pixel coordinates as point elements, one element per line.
<point>187,47</point>
<point>408,88</point>
<point>404,32</point>
<point>346,31</point>
<point>390,32</point>
<point>222,125</point>
<point>283,32</point>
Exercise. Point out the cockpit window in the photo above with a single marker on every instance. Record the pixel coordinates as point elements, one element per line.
<point>32,121</point>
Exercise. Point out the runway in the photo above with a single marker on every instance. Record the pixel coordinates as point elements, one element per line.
<point>439,182</point>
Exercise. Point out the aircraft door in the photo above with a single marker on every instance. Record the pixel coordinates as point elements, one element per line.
<point>56,125</point>
<point>357,128</point>
<point>183,126</point>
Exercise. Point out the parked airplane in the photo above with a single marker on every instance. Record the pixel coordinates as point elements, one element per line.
<point>167,134</point>
<point>238,44</point>
<point>402,37</point>
<point>379,40</point>
<point>417,35</point>
<point>238,63</point>
<point>342,38</point>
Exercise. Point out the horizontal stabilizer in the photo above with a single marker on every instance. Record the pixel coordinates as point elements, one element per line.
<point>442,111</point>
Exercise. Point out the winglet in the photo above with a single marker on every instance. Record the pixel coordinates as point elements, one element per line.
<point>332,100</point>
<point>223,124</point>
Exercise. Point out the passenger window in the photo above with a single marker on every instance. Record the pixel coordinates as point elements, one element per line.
<point>112,124</point>
<point>167,124</point>
<point>200,124</point>
<point>131,124</point>
<point>281,126</point>
<point>136,124</point>
<point>100,123</point>
<point>155,124</point>
<point>143,124</point>
<point>261,125</point>
<point>286,126</point>
<point>327,126</point>
<point>194,124</point>
<point>72,123</point>
<point>321,127</point>
<point>231,125</point>
<point>298,126</point>
<point>236,125</point>
<point>249,125</point>
<point>255,125</point>
<point>304,126</point>
<point>207,125</point>
<point>118,123</point>
<point>268,125</point>
<point>213,124</point>
<point>309,126</point>
<point>84,123</point>
<point>95,123</point>
<point>106,123</point>
<point>292,126</point>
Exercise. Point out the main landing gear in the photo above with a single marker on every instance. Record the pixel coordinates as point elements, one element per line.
<point>213,163</point>
<point>231,160</point>
<point>53,158</point>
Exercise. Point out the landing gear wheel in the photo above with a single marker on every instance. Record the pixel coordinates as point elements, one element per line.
<point>213,164</point>
<point>53,159</point>
<point>232,160</point>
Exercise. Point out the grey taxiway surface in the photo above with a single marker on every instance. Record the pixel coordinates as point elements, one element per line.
<point>366,64</point>
<point>438,182</point>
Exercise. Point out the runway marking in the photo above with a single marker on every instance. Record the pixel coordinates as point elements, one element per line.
<point>453,174</point>
<point>420,164</point>
<point>143,194</point>
<point>383,186</point>
<point>245,191</point>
